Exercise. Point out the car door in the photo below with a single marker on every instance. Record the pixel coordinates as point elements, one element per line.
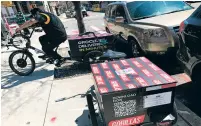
<point>111,19</point>
<point>192,34</point>
<point>120,26</point>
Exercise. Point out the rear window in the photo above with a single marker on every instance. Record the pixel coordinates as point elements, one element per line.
<point>197,13</point>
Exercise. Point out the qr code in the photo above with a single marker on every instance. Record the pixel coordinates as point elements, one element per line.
<point>125,108</point>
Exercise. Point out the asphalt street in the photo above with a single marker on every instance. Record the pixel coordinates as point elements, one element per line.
<point>30,100</point>
<point>92,23</point>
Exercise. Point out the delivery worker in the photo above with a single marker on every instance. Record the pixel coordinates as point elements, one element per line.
<point>55,32</point>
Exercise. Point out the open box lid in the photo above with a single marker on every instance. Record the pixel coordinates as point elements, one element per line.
<point>129,74</point>
<point>97,33</point>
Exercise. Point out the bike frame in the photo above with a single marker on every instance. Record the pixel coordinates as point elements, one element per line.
<point>28,45</point>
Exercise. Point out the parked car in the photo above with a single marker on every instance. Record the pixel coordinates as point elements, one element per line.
<point>189,52</point>
<point>147,26</point>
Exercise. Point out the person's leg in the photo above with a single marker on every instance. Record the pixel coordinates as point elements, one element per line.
<point>51,47</point>
<point>44,43</point>
<point>26,31</point>
<point>57,43</point>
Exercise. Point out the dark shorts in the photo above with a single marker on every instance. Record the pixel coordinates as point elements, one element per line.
<point>49,44</point>
<point>52,40</point>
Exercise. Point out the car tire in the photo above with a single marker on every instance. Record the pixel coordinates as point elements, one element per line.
<point>135,49</point>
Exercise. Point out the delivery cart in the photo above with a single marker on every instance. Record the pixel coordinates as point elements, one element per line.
<point>89,48</point>
<point>92,47</point>
<point>134,92</point>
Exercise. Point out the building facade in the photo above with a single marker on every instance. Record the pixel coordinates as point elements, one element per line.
<point>10,8</point>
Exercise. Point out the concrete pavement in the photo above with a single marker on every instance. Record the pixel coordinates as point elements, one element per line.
<point>24,99</point>
<point>71,112</point>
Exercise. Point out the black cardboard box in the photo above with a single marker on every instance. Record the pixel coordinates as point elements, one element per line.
<point>129,91</point>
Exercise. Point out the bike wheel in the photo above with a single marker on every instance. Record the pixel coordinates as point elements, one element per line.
<point>24,65</point>
<point>19,41</point>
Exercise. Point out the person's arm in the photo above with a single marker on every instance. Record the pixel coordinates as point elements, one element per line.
<point>26,24</point>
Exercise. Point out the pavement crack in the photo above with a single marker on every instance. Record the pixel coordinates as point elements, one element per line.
<point>47,104</point>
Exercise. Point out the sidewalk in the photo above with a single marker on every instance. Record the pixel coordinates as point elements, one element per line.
<point>24,99</point>
<point>71,112</point>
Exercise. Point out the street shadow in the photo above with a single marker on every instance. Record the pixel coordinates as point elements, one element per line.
<point>71,70</point>
<point>83,119</point>
<point>12,80</point>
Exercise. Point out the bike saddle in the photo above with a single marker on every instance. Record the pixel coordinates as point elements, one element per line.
<point>109,54</point>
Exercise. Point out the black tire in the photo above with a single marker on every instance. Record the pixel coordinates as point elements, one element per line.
<point>157,117</point>
<point>28,56</point>
<point>20,44</point>
<point>135,49</point>
<point>91,55</point>
<point>91,110</point>
<point>175,114</point>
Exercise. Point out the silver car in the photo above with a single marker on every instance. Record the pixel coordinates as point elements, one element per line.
<point>147,26</point>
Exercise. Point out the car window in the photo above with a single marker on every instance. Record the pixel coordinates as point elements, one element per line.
<point>107,11</point>
<point>145,9</point>
<point>120,12</point>
<point>113,11</point>
<point>198,12</point>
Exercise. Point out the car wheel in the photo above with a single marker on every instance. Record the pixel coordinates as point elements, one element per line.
<point>135,49</point>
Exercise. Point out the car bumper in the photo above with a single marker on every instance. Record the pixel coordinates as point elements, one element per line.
<point>158,47</point>
<point>163,45</point>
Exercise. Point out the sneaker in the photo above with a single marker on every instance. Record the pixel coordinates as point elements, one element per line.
<point>57,62</point>
<point>43,56</point>
<point>50,60</point>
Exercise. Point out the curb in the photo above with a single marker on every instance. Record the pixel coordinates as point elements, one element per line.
<point>187,115</point>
